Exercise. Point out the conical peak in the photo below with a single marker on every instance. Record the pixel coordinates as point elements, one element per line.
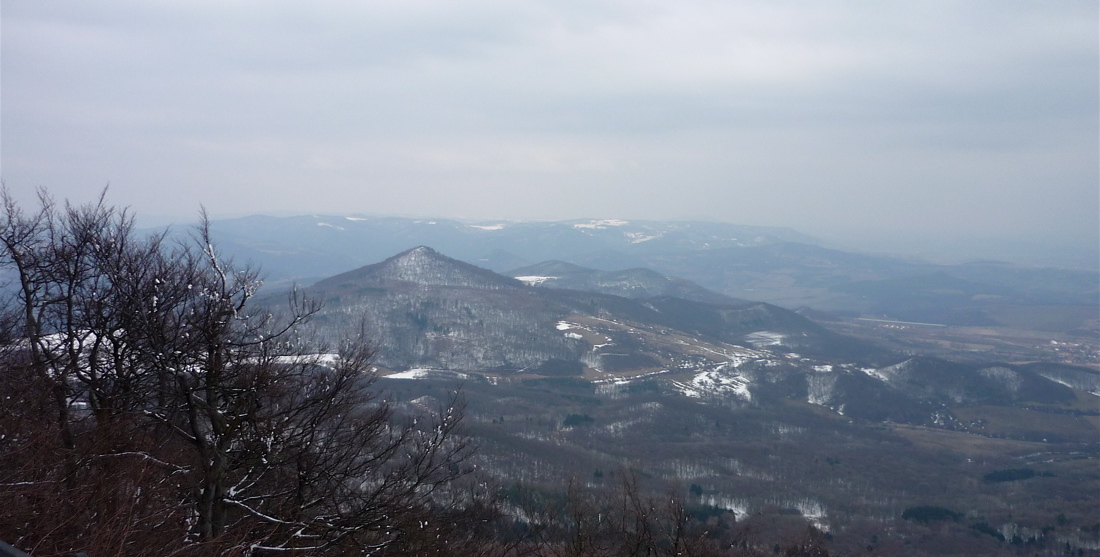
<point>420,250</point>
<point>418,254</point>
<point>417,258</point>
<point>424,265</point>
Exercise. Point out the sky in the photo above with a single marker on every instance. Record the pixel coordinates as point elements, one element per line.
<point>918,127</point>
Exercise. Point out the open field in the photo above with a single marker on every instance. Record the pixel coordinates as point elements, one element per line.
<point>1074,347</point>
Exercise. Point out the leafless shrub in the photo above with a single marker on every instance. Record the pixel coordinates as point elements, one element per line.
<point>151,409</point>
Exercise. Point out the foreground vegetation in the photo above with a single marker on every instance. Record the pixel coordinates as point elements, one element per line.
<point>151,410</point>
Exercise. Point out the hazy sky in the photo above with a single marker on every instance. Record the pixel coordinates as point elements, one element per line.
<point>873,120</point>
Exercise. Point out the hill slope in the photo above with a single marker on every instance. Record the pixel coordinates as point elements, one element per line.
<point>428,311</point>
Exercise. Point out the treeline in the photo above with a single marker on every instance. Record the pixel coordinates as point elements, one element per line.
<point>152,408</point>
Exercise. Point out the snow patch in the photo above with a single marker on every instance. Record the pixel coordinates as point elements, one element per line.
<point>739,507</point>
<point>330,225</point>
<point>567,326</point>
<point>628,380</point>
<point>601,224</point>
<point>488,227</point>
<point>534,280</point>
<point>426,373</point>
<point>890,373</point>
<point>820,389</point>
<point>716,382</point>
<point>765,338</point>
<point>319,359</point>
<point>875,373</point>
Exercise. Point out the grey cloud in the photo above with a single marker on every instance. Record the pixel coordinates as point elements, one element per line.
<point>921,117</point>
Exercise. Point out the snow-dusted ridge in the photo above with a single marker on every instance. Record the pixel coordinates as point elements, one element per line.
<point>601,224</point>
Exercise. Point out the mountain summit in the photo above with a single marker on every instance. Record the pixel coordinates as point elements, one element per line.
<point>420,266</point>
<point>427,310</point>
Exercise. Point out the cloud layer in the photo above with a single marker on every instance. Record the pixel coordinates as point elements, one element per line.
<point>941,119</point>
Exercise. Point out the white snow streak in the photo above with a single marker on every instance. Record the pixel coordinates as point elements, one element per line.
<point>534,280</point>
<point>601,224</point>
<point>765,338</point>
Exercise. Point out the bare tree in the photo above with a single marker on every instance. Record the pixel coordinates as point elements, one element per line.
<point>174,395</point>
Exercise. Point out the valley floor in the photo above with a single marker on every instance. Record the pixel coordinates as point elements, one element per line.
<point>1012,345</point>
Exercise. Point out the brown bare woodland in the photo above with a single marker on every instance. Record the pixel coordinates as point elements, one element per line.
<point>149,409</point>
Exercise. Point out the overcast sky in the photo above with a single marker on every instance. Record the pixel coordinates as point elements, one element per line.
<point>883,122</point>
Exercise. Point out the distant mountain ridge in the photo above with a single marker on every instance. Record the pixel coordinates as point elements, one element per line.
<point>630,283</point>
<point>777,266</point>
<point>351,241</point>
